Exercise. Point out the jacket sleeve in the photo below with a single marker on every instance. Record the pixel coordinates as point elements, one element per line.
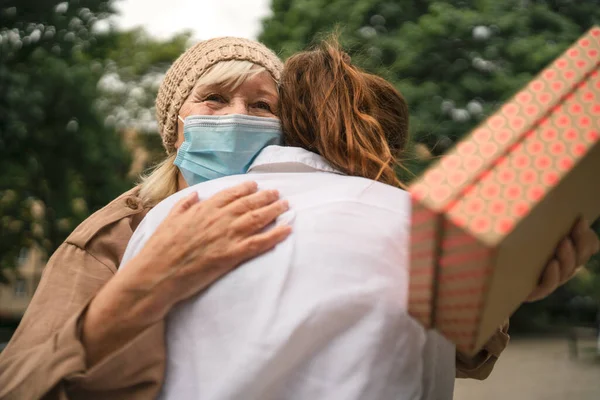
<point>481,364</point>
<point>46,359</point>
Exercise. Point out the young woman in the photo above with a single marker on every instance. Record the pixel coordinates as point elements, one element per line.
<point>322,315</point>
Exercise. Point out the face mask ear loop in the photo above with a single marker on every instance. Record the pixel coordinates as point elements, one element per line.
<point>181,119</point>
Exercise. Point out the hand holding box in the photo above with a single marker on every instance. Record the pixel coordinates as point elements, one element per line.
<point>487,217</point>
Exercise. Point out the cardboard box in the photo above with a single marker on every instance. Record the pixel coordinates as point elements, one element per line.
<point>488,216</point>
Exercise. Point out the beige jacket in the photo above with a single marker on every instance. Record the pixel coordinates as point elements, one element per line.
<point>45,358</point>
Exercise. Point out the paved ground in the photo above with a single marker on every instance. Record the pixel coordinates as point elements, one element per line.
<point>532,369</point>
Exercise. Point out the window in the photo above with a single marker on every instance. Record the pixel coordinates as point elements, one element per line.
<point>20,288</point>
<point>23,255</point>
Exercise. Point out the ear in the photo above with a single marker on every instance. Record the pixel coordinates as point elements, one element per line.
<point>179,131</point>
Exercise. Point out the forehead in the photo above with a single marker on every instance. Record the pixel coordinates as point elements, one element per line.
<point>259,84</point>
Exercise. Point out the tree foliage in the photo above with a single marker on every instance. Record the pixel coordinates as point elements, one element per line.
<point>72,90</point>
<point>134,65</point>
<point>455,62</point>
<point>58,160</point>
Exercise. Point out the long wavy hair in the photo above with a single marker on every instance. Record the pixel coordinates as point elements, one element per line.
<point>357,121</point>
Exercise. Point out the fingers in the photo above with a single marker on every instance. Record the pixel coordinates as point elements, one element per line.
<point>572,252</point>
<point>230,195</point>
<point>255,220</point>
<point>252,202</point>
<point>548,283</point>
<point>260,243</point>
<point>185,203</point>
<point>567,258</point>
<point>585,241</point>
<point>249,248</point>
<point>579,235</point>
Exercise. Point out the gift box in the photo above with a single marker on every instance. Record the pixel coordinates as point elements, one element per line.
<point>488,216</point>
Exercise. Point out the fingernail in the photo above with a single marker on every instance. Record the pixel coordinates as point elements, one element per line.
<point>274,193</point>
<point>286,228</point>
<point>285,205</point>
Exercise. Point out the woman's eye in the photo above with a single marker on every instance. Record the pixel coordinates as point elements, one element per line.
<point>215,97</point>
<point>263,105</point>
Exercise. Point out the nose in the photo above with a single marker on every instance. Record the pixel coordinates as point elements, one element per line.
<point>235,106</point>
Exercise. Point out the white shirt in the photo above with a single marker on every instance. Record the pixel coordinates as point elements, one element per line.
<point>321,316</point>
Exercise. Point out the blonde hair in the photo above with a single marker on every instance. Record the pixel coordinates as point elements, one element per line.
<point>162,180</point>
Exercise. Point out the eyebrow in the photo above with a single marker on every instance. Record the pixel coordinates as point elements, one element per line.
<point>215,86</point>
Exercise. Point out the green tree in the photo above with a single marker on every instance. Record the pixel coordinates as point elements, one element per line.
<point>59,162</point>
<point>134,64</point>
<point>454,61</point>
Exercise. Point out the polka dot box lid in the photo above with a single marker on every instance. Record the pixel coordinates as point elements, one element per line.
<point>487,216</point>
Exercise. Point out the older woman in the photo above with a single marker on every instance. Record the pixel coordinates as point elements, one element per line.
<point>88,334</point>
<point>323,315</point>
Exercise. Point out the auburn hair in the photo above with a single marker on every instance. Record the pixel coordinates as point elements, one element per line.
<point>357,121</point>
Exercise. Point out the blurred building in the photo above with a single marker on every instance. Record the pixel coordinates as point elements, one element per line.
<point>146,151</point>
<point>22,282</point>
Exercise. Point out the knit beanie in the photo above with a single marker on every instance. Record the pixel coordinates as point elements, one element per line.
<point>181,78</point>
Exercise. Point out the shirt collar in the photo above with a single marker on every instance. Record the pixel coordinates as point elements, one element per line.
<point>289,159</point>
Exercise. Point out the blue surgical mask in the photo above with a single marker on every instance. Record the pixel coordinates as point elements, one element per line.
<point>218,146</point>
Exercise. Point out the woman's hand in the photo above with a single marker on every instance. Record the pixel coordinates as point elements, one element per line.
<point>572,253</point>
<point>196,244</point>
<point>201,241</point>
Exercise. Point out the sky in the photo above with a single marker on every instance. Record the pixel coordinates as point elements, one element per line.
<point>205,18</point>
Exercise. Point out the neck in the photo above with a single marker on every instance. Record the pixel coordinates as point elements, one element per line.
<point>181,183</point>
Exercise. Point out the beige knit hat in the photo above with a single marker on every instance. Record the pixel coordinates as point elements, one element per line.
<point>189,67</point>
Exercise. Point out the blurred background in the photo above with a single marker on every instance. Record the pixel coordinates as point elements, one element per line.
<point>78,81</point>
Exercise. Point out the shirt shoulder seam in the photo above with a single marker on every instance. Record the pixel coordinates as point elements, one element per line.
<point>90,254</point>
